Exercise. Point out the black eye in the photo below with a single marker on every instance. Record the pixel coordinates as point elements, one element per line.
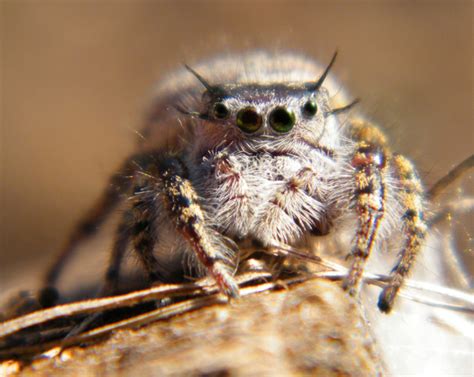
<point>310,108</point>
<point>248,120</point>
<point>282,119</point>
<point>220,111</point>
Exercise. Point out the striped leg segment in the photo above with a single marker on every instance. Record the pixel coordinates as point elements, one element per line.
<point>211,248</point>
<point>411,197</point>
<point>144,230</point>
<point>369,162</point>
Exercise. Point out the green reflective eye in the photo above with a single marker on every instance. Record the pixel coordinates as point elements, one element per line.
<point>248,120</point>
<point>281,119</point>
<point>310,108</point>
<point>220,111</point>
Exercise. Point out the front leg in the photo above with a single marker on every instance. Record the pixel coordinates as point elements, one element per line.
<point>370,162</point>
<point>414,228</point>
<point>118,186</point>
<point>211,248</point>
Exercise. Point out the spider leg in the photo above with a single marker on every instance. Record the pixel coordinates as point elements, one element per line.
<point>137,225</point>
<point>181,200</point>
<point>370,162</point>
<point>411,197</point>
<point>144,211</point>
<point>453,175</point>
<point>122,238</point>
<point>134,223</point>
<point>119,183</point>
<point>165,178</point>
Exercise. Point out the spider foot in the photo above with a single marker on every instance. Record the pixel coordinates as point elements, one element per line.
<point>225,281</point>
<point>48,296</point>
<point>387,298</point>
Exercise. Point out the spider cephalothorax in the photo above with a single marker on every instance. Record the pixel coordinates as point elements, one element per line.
<point>257,148</point>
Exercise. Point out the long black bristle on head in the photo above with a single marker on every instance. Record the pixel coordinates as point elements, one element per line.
<point>339,110</point>
<point>201,79</point>
<point>312,87</point>
<point>216,91</point>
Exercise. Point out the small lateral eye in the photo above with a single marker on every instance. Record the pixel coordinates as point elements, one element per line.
<point>281,119</point>
<point>310,108</point>
<point>220,111</point>
<point>249,120</point>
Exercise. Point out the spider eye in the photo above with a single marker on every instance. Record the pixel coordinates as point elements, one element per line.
<point>281,119</point>
<point>220,111</point>
<point>248,120</point>
<point>310,108</point>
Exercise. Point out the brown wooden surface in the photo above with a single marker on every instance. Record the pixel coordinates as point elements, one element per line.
<point>309,329</point>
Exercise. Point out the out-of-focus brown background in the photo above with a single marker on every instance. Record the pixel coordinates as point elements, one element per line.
<point>76,77</point>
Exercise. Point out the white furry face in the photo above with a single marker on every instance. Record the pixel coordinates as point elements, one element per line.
<point>263,156</point>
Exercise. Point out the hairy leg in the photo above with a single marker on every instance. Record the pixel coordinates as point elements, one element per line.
<point>119,183</point>
<point>181,200</point>
<point>119,249</point>
<point>411,197</point>
<point>370,162</point>
<point>164,179</point>
<point>143,229</point>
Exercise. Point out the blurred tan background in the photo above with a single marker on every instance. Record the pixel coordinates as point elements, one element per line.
<point>76,77</point>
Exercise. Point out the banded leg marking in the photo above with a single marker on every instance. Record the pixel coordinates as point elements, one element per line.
<point>182,202</point>
<point>370,162</point>
<point>414,226</point>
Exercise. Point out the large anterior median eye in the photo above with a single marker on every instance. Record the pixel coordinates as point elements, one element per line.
<point>248,120</point>
<point>281,119</point>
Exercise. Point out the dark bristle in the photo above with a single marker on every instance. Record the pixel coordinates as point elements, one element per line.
<point>312,87</point>
<point>215,90</point>
<point>201,79</point>
<point>342,109</point>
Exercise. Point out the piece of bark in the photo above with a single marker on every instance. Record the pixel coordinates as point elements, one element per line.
<point>312,328</point>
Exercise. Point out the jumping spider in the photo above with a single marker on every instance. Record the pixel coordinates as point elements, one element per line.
<point>257,148</point>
